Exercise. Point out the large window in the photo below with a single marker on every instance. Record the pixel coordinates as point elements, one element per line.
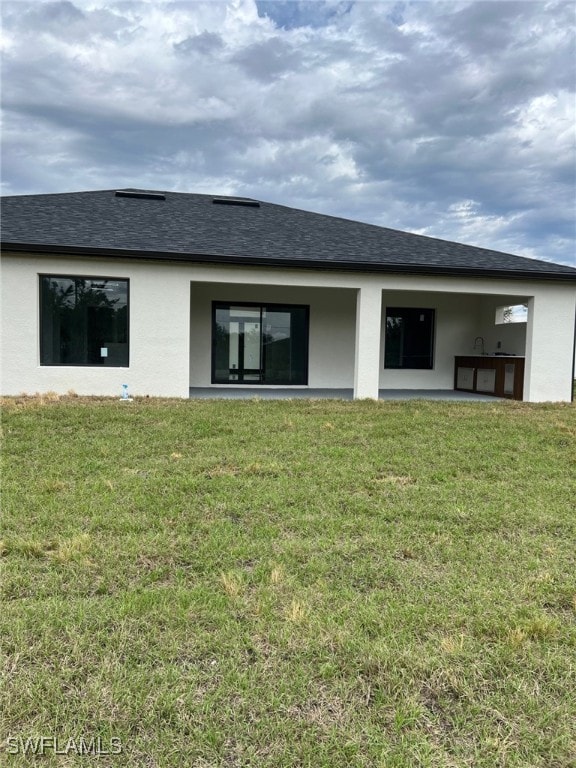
<point>259,344</point>
<point>409,339</point>
<point>83,321</point>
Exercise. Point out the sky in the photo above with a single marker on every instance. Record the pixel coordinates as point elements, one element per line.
<point>451,119</point>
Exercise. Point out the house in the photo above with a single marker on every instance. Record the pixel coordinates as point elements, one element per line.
<point>166,292</point>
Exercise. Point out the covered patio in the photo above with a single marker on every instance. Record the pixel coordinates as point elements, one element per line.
<point>377,339</point>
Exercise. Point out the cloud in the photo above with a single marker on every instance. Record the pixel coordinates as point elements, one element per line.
<point>453,119</point>
<point>268,60</point>
<point>205,44</point>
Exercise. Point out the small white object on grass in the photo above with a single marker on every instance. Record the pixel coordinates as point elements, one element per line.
<point>125,396</point>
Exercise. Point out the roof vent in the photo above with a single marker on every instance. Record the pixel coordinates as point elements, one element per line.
<point>139,195</point>
<point>236,201</point>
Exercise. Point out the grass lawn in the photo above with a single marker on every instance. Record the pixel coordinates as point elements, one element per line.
<point>290,583</point>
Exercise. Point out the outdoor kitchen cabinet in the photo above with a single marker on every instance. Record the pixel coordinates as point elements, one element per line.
<point>498,375</point>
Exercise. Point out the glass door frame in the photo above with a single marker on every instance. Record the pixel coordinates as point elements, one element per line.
<point>262,306</point>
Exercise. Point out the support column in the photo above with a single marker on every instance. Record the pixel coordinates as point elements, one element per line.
<point>368,332</point>
<point>550,346</point>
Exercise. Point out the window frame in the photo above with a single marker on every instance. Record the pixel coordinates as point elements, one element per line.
<point>218,304</point>
<point>500,314</point>
<point>68,276</point>
<point>391,311</point>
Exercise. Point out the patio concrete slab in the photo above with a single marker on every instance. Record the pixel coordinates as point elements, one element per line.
<point>280,393</point>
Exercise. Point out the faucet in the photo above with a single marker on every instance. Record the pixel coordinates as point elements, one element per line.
<point>479,343</point>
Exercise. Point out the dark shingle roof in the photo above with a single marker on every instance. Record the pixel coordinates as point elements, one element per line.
<point>192,227</point>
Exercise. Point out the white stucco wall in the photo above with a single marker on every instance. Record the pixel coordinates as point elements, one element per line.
<point>368,342</point>
<point>457,319</point>
<point>549,346</point>
<point>170,327</point>
<point>332,323</point>
<point>159,330</point>
<point>512,336</point>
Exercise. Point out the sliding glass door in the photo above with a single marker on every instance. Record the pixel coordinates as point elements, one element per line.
<point>259,344</point>
<point>238,343</point>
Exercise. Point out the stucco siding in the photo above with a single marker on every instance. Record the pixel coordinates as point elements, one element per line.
<point>158,335</point>
<point>331,334</point>
<point>170,325</point>
<point>457,320</point>
<point>550,345</point>
<point>511,336</point>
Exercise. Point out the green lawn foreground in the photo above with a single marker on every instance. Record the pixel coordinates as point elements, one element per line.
<point>290,583</point>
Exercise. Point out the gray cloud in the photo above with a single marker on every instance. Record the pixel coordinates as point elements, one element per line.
<point>206,43</point>
<point>268,60</point>
<point>53,15</point>
<point>453,119</point>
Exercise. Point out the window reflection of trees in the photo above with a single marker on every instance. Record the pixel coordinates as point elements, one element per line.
<point>79,316</point>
